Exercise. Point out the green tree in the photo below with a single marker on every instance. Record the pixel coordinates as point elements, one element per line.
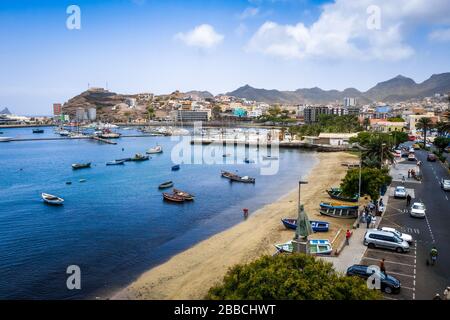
<point>399,137</point>
<point>372,180</point>
<point>379,146</point>
<point>150,112</point>
<point>443,128</point>
<point>290,277</point>
<point>424,124</point>
<point>441,143</point>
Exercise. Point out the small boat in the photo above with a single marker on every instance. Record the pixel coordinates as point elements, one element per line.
<point>185,195</point>
<point>124,159</point>
<point>316,247</point>
<point>226,155</point>
<point>172,197</point>
<point>115,163</point>
<point>317,226</point>
<point>139,157</point>
<point>82,180</point>
<point>155,150</point>
<point>338,210</point>
<point>69,182</point>
<point>38,131</point>
<point>270,158</point>
<point>249,161</point>
<point>76,166</point>
<point>176,167</point>
<point>5,139</point>
<point>336,193</point>
<point>165,185</point>
<point>51,199</point>
<point>234,177</point>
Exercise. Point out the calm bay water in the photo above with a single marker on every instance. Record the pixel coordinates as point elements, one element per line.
<point>115,225</point>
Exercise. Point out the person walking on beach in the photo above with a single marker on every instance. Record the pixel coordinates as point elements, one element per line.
<point>382,266</point>
<point>408,200</point>
<point>348,234</point>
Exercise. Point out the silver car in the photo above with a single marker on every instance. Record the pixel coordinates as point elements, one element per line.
<point>400,192</point>
<point>375,238</point>
<point>445,184</point>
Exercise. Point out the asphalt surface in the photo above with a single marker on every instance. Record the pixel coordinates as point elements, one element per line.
<point>419,280</point>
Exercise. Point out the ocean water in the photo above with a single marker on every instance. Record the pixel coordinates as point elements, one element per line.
<point>115,225</point>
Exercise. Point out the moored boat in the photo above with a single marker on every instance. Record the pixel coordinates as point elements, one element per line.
<point>270,158</point>
<point>76,166</point>
<point>6,139</point>
<point>336,193</point>
<point>139,157</point>
<point>51,199</point>
<point>234,177</point>
<point>317,226</point>
<point>38,131</point>
<point>172,197</point>
<point>176,167</point>
<point>115,162</point>
<point>249,161</point>
<point>155,150</point>
<point>338,210</point>
<point>185,195</point>
<point>316,247</point>
<point>165,185</point>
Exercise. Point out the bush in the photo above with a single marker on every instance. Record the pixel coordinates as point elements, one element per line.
<point>372,180</point>
<point>290,277</point>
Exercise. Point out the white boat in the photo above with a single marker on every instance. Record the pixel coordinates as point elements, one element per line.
<point>64,133</point>
<point>157,149</point>
<point>51,199</point>
<point>316,247</point>
<point>270,158</point>
<point>5,139</point>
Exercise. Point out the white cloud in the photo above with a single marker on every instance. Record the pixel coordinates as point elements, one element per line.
<point>341,31</point>
<point>202,36</point>
<point>248,13</point>
<point>440,35</point>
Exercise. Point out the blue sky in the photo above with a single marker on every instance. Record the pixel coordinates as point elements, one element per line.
<point>162,46</point>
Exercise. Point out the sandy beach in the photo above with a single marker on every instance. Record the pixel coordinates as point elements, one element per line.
<point>190,274</point>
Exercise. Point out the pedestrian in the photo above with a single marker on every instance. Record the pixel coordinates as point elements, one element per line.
<point>348,234</point>
<point>408,200</point>
<point>381,202</point>
<point>409,173</point>
<point>368,220</point>
<point>403,180</point>
<point>433,255</point>
<point>373,222</point>
<point>382,266</point>
<point>447,293</point>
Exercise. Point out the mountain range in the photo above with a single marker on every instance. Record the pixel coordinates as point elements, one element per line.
<point>396,89</point>
<point>5,111</point>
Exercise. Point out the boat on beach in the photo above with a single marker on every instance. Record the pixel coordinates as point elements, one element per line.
<point>185,195</point>
<point>139,157</point>
<point>234,177</point>
<point>77,166</point>
<point>165,185</point>
<point>38,131</point>
<point>172,197</point>
<point>317,226</point>
<point>176,167</point>
<point>336,193</point>
<point>337,210</point>
<point>115,162</point>
<point>51,199</point>
<point>155,150</point>
<point>316,247</point>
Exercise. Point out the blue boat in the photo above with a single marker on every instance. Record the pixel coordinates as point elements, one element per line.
<point>317,226</point>
<point>176,167</point>
<point>337,210</point>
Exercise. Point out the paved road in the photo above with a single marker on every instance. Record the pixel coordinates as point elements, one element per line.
<point>419,281</point>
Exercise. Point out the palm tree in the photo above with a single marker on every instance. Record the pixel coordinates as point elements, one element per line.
<point>442,127</point>
<point>150,112</point>
<point>424,124</point>
<point>378,151</point>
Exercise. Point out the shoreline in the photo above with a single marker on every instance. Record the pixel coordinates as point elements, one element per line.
<point>189,274</point>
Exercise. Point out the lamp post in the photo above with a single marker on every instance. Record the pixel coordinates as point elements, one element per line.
<point>299,191</point>
<point>303,230</point>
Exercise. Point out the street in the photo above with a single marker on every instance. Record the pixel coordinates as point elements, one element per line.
<point>419,280</point>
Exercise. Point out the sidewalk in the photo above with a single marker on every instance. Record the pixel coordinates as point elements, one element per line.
<point>354,252</point>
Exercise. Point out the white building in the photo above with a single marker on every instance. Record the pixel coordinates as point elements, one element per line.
<point>92,114</point>
<point>349,102</point>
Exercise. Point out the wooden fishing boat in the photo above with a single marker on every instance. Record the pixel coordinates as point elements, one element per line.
<point>172,197</point>
<point>316,247</point>
<point>139,157</point>
<point>176,167</point>
<point>38,131</point>
<point>336,193</point>
<point>165,185</point>
<point>51,199</point>
<point>76,166</point>
<point>338,211</point>
<point>234,177</point>
<point>115,163</point>
<point>155,150</point>
<point>317,226</point>
<point>185,195</point>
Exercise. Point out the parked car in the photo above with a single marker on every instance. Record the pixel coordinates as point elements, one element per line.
<point>411,157</point>
<point>375,238</point>
<point>431,157</point>
<point>417,210</point>
<point>407,237</point>
<point>416,146</point>
<point>447,149</point>
<point>445,184</point>
<point>388,283</point>
<point>400,192</point>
